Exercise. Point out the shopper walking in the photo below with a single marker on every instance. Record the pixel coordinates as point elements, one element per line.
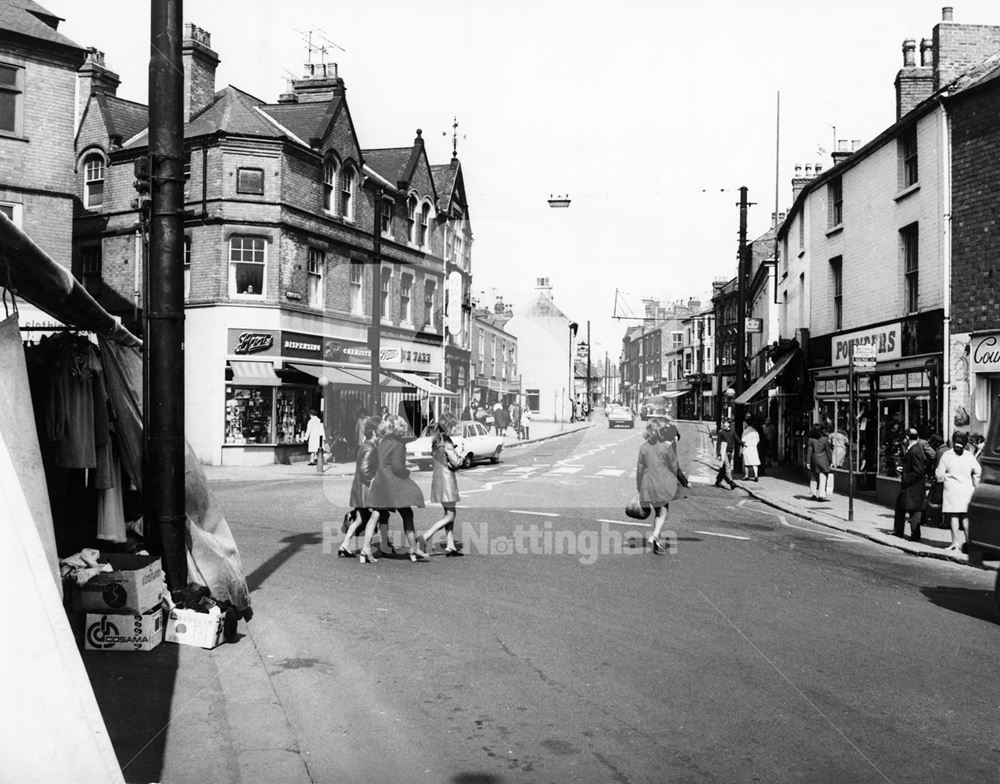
<point>656,477</point>
<point>910,500</point>
<point>365,469</point>
<point>392,487</point>
<point>444,485</point>
<point>515,418</point>
<point>959,472</point>
<point>726,444</point>
<point>500,420</point>
<point>769,436</point>
<point>819,453</point>
<point>751,456</point>
<point>526,424</point>
<point>314,436</point>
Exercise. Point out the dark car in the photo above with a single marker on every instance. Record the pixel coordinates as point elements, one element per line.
<point>655,406</point>
<point>984,509</point>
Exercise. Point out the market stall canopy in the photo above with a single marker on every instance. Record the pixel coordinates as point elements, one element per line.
<point>754,389</point>
<point>413,380</point>
<point>32,275</point>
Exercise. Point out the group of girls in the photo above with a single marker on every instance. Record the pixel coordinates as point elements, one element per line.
<point>382,484</point>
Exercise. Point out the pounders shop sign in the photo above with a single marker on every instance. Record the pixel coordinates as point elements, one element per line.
<point>886,340</point>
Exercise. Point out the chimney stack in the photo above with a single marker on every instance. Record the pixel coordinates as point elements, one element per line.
<point>959,47</point>
<point>320,83</point>
<point>914,83</point>
<point>200,62</point>
<point>93,77</point>
<point>842,152</point>
<point>800,179</point>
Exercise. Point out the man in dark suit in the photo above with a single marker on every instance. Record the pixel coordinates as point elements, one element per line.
<point>910,501</point>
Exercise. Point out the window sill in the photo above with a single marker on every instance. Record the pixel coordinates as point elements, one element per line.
<point>835,230</point>
<point>14,137</point>
<point>906,192</point>
<point>247,297</point>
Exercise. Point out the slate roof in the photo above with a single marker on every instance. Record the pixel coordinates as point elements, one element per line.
<point>444,179</point>
<point>29,19</point>
<point>307,120</point>
<point>979,75</point>
<point>123,118</point>
<point>390,162</point>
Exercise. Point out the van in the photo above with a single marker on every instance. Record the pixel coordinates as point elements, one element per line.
<point>655,406</point>
<point>984,509</point>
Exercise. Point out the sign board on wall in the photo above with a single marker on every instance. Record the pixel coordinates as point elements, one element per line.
<point>984,354</point>
<point>885,339</point>
<point>754,325</point>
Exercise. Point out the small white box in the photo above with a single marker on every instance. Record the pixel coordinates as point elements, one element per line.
<point>190,627</point>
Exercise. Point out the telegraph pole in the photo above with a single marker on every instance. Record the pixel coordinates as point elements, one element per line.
<point>741,313</point>
<point>588,369</point>
<point>374,331</point>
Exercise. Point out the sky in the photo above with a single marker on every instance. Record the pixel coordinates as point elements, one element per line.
<point>649,114</point>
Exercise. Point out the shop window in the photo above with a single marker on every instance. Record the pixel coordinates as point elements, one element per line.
<point>11,99</point>
<point>330,172</point>
<point>249,414</point>
<point>292,413</point>
<point>315,263</point>
<point>250,181</point>
<point>247,263</point>
<point>90,268</point>
<point>93,181</point>
<point>532,398</point>
<point>356,289</point>
<point>911,260</point>
<point>187,268</point>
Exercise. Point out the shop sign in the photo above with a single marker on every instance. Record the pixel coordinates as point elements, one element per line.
<point>345,351</point>
<point>251,342</point>
<point>295,344</point>
<point>885,339</point>
<point>754,325</point>
<point>984,354</point>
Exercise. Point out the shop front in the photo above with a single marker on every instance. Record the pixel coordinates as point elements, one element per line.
<point>978,408</point>
<point>902,392</point>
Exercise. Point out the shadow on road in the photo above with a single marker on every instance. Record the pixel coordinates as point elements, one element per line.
<point>292,544</point>
<point>475,778</point>
<point>974,603</point>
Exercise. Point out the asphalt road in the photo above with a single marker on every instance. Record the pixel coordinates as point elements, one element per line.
<point>760,649</point>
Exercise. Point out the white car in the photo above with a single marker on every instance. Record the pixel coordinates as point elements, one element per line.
<point>473,442</point>
<point>620,416</point>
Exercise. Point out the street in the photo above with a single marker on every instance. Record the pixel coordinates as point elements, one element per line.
<point>760,648</point>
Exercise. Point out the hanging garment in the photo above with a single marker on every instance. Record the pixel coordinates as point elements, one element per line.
<point>70,415</point>
<point>105,475</point>
<point>17,426</point>
<point>110,509</point>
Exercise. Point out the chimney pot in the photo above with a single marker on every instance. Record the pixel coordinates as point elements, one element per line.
<point>818,168</point>
<point>947,14</point>
<point>855,144</point>
<point>909,53</point>
<point>842,145</point>
<point>808,170</point>
<point>798,170</point>
<point>926,53</point>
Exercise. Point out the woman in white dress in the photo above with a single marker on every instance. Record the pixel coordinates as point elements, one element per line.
<point>959,472</point>
<point>751,455</point>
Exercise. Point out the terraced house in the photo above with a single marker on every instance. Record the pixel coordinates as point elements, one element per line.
<point>281,207</point>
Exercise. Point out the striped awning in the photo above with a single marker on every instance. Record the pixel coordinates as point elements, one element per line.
<point>254,374</point>
<point>757,386</point>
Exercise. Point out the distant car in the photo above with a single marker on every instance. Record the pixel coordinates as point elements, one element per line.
<point>473,443</point>
<point>655,406</point>
<point>619,416</point>
<point>984,509</point>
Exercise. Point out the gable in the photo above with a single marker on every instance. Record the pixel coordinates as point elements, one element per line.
<point>340,135</point>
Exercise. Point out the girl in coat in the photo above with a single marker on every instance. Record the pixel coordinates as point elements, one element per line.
<point>444,485</point>
<point>656,476</point>
<point>392,487</point>
<point>819,454</point>
<point>751,456</point>
<point>959,472</point>
<point>314,436</point>
<point>364,473</point>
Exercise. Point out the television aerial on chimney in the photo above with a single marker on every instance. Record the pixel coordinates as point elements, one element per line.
<point>323,47</point>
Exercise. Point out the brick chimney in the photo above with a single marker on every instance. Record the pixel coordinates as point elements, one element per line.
<point>93,77</point>
<point>200,62</point>
<point>842,153</point>
<point>801,179</point>
<point>914,83</point>
<point>320,83</point>
<point>959,47</point>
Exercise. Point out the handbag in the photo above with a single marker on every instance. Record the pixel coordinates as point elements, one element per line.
<point>682,478</point>
<point>636,509</point>
<point>348,519</point>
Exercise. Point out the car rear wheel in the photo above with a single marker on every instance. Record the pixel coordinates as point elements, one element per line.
<point>467,460</point>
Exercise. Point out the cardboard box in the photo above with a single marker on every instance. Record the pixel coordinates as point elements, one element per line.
<point>116,632</point>
<point>189,627</point>
<point>133,587</point>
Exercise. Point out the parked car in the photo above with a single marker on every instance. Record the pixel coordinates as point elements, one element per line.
<point>619,416</point>
<point>473,442</point>
<point>655,406</point>
<point>984,509</point>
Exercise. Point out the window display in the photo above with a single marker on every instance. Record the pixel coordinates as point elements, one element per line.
<point>293,413</point>
<point>249,413</point>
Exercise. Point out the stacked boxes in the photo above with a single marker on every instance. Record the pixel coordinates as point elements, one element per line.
<point>123,611</point>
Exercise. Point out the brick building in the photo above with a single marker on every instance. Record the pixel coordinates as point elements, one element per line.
<point>495,373</point>
<point>280,203</point>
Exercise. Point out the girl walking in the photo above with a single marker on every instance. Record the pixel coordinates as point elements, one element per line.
<point>656,476</point>
<point>444,485</point>
<point>392,487</point>
<point>819,454</point>
<point>959,472</point>
<point>364,473</point>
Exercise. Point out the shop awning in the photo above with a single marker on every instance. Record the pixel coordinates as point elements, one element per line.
<point>348,377</point>
<point>254,374</point>
<point>672,393</point>
<point>413,380</point>
<point>750,392</point>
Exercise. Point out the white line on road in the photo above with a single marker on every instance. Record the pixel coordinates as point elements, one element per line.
<point>539,514</point>
<point>611,472</point>
<point>522,470</point>
<point>727,536</point>
<point>621,522</point>
<point>566,470</point>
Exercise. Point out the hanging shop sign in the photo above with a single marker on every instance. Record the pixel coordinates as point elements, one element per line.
<point>253,341</point>
<point>984,354</point>
<point>885,339</point>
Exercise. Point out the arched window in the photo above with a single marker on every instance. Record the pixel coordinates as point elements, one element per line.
<point>412,207</point>
<point>93,181</point>
<point>347,181</point>
<point>330,171</point>
<point>423,235</point>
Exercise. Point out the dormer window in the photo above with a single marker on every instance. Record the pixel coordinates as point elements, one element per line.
<point>412,217</point>
<point>93,181</point>
<point>347,181</point>
<point>330,172</point>
<point>423,236</point>
<point>387,207</point>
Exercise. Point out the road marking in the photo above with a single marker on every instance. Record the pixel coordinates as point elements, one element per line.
<point>539,514</point>
<point>566,470</point>
<point>727,536</point>
<point>611,472</point>
<point>621,522</point>
<point>523,470</point>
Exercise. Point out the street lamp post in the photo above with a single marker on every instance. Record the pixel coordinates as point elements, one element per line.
<point>374,331</point>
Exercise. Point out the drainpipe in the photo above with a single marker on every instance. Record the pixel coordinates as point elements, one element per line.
<point>946,171</point>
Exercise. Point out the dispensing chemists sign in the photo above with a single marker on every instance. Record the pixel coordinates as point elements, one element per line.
<point>885,340</point>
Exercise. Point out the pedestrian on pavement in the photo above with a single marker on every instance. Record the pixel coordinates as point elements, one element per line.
<point>466,413</point>
<point>839,441</point>
<point>819,453</point>
<point>726,444</point>
<point>526,424</point>
<point>392,487</point>
<point>444,485</point>
<point>959,472</point>
<point>365,468</point>
<point>751,456</point>
<point>912,481</point>
<point>500,420</point>
<point>656,476</point>
<point>314,436</point>
<point>515,418</point>
<point>769,436</point>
